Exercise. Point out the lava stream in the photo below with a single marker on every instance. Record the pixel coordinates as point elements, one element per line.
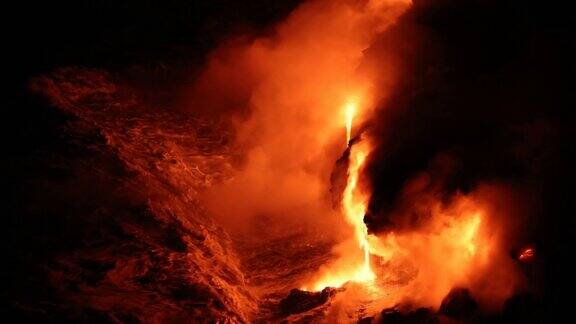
<point>353,202</point>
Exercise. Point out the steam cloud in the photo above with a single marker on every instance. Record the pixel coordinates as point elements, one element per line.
<point>431,142</point>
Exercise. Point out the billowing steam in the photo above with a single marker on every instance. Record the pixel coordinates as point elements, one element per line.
<point>296,85</point>
<point>322,84</point>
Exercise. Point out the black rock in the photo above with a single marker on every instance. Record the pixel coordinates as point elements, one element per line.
<point>523,308</point>
<point>418,316</point>
<point>299,301</point>
<point>458,304</point>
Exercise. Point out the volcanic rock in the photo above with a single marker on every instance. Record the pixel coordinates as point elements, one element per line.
<point>418,316</point>
<point>522,308</point>
<point>339,178</point>
<point>458,304</point>
<point>117,233</point>
<point>299,301</point>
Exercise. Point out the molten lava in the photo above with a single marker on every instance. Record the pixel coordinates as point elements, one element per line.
<point>354,202</point>
<point>459,243</point>
<point>354,205</point>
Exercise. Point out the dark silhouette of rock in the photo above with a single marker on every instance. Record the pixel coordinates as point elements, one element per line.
<point>418,316</point>
<point>522,308</point>
<point>458,304</point>
<point>366,320</point>
<point>299,301</point>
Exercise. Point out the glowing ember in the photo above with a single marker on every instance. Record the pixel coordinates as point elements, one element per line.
<point>526,254</point>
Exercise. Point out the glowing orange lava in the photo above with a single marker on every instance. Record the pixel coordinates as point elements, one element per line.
<point>354,204</point>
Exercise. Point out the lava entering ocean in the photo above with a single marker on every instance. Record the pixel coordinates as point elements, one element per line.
<point>354,205</point>
<point>458,244</point>
<point>293,135</point>
<point>326,189</point>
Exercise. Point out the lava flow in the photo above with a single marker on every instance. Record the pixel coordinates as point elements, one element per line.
<point>459,242</point>
<point>354,204</point>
